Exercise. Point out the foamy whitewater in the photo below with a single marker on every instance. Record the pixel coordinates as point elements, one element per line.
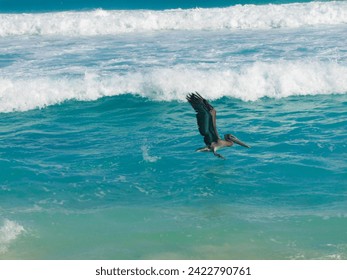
<point>97,141</point>
<point>9,231</point>
<point>101,22</point>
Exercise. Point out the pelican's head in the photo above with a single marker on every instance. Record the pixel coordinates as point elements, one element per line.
<point>231,138</point>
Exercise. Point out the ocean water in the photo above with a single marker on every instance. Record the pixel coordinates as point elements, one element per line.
<point>97,141</point>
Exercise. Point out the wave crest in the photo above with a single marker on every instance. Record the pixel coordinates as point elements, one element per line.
<point>249,83</point>
<point>102,22</point>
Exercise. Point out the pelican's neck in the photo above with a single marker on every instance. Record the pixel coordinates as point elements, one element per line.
<point>224,143</point>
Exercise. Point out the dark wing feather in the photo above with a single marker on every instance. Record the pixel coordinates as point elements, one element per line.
<point>206,117</point>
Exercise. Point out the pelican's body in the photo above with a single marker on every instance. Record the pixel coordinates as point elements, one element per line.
<point>206,118</point>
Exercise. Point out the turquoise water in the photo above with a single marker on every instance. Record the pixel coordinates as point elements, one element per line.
<point>16,6</point>
<point>97,141</point>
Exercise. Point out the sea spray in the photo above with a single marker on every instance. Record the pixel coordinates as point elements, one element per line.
<point>146,156</point>
<point>9,231</point>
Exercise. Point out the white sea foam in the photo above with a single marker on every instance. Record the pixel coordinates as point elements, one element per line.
<point>249,83</point>
<point>102,22</point>
<point>146,156</point>
<point>9,231</point>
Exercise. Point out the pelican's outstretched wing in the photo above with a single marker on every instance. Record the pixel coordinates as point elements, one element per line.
<point>206,117</point>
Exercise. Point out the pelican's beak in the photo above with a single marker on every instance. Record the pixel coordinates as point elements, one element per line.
<point>238,141</point>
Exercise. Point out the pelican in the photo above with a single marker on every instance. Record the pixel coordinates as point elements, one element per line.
<point>206,117</point>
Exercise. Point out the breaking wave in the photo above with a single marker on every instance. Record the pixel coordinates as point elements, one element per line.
<point>104,22</point>
<point>9,231</point>
<point>249,83</point>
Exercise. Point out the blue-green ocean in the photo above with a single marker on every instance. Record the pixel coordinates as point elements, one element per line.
<point>97,141</point>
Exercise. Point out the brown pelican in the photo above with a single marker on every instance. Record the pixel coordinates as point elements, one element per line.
<point>206,117</point>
